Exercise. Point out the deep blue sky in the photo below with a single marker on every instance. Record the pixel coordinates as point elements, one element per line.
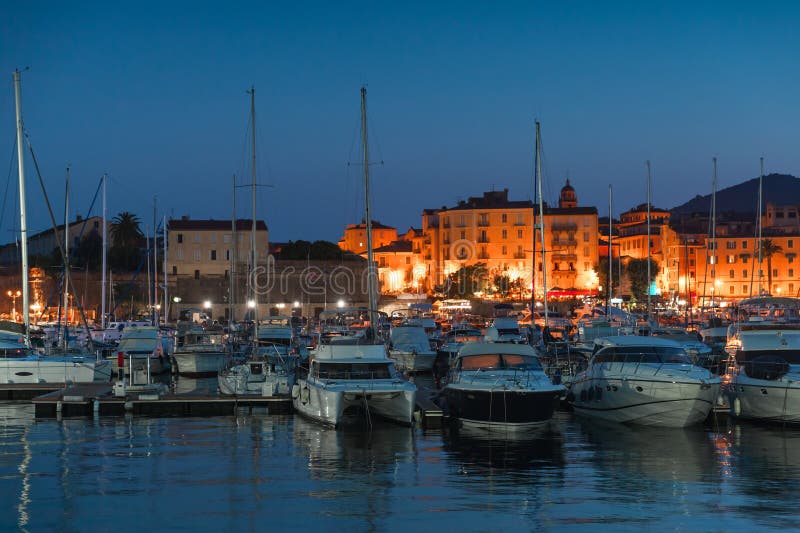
<point>154,94</point>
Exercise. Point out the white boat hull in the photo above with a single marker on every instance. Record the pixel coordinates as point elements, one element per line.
<point>158,365</point>
<point>239,381</point>
<point>644,401</point>
<point>199,363</point>
<point>766,400</point>
<point>327,403</point>
<point>55,370</point>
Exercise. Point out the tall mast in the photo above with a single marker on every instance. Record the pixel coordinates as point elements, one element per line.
<point>541,217</point>
<point>232,257</point>
<point>153,311</point>
<point>23,224</point>
<point>370,267</point>
<point>253,252</point>
<point>104,266</point>
<point>610,252</point>
<point>758,222</point>
<point>165,310</point>
<point>533,223</point>
<point>648,241</point>
<point>713,232</point>
<point>66,263</point>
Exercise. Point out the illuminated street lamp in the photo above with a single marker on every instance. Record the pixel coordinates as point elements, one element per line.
<point>251,304</point>
<point>14,295</point>
<point>340,303</point>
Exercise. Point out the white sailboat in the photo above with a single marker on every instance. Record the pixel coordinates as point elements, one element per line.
<point>351,373</point>
<point>18,362</point>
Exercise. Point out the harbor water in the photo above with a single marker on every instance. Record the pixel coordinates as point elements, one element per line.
<point>276,473</point>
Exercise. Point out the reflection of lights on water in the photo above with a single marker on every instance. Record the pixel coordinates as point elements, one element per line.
<point>24,496</point>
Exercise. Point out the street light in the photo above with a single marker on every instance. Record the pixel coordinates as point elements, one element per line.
<point>14,295</point>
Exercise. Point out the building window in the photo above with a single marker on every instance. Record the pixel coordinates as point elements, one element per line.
<point>774,272</point>
<point>227,255</point>
<point>408,260</point>
<point>179,254</point>
<point>791,272</point>
<point>196,274</point>
<point>519,234</point>
<point>212,238</point>
<point>212,255</point>
<point>730,245</point>
<point>585,236</point>
<point>586,267</point>
<point>382,262</point>
<point>463,234</point>
<point>174,271</point>
<point>744,245</point>
<point>196,237</point>
<point>197,255</point>
<point>226,238</point>
<point>732,274</point>
<point>180,238</point>
<point>790,243</point>
<point>791,288</point>
<point>691,262</point>
<point>504,218</point>
<point>505,250</point>
<point>744,273</point>
<point>789,258</point>
<point>505,233</point>
<point>744,289</point>
<point>520,219</point>
<point>733,289</point>
<point>731,259</point>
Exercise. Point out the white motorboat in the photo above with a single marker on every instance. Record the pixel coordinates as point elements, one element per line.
<point>140,348</point>
<point>505,329</point>
<point>199,352</point>
<point>349,373</point>
<point>765,350</point>
<point>500,387</point>
<point>643,380</point>
<point>271,367</point>
<point>20,364</point>
<point>411,348</point>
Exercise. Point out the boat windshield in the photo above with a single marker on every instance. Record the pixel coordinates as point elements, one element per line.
<point>500,362</point>
<point>278,341</point>
<point>643,354</point>
<point>354,370</point>
<point>14,352</point>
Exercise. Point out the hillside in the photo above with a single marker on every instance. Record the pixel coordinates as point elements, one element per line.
<point>778,188</point>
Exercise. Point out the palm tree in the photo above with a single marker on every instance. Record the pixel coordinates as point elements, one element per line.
<point>125,230</point>
<point>125,239</point>
<point>767,250</point>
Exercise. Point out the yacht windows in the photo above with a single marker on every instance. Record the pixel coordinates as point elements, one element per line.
<point>354,370</point>
<point>642,354</point>
<point>500,361</point>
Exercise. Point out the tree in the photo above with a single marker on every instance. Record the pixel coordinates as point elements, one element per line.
<point>126,236</point>
<point>637,274</point>
<point>767,250</point>
<point>502,284</point>
<point>466,281</point>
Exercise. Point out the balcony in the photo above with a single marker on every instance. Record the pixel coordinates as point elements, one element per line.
<point>483,223</point>
<point>483,255</point>
<point>567,243</point>
<point>519,255</point>
<point>483,239</point>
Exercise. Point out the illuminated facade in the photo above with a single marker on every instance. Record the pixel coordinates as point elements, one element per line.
<point>355,237</point>
<point>497,232</point>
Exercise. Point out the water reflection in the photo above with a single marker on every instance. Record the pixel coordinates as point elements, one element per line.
<point>765,467</point>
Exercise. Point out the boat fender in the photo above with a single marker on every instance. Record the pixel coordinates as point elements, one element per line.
<point>295,391</point>
<point>304,395</point>
<point>736,405</point>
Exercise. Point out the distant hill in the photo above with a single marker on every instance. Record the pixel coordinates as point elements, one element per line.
<point>780,189</point>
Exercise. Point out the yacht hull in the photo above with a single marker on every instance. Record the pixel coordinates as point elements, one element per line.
<point>327,404</point>
<point>501,410</point>
<point>196,364</point>
<point>765,400</point>
<point>53,370</point>
<point>644,402</point>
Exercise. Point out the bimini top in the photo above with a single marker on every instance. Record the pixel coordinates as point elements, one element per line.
<point>634,340</point>
<point>481,348</point>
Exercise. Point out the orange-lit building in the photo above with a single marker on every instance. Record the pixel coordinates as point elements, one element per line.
<point>355,237</point>
<point>496,232</point>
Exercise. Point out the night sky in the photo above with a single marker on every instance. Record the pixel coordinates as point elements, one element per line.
<point>155,95</point>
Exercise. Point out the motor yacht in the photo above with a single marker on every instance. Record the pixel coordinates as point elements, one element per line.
<point>411,348</point>
<point>500,387</point>
<point>643,380</point>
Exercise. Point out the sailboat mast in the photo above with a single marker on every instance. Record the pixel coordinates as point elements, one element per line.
<point>541,216</point>
<point>713,232</point>
<point>758,222</point>
<point>610,252</point>
<point>23,225</point>
<point>253,251</point>
<point>66,263</point>
<point>232,257</point>
<point>104,259</point>
<point>165,311</point>
<point>533,224</point>
<point>648,242</point>
<point>370,266</point>
<point>154,311</point>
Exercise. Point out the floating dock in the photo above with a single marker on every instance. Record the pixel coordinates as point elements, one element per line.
<point>27,391</point>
